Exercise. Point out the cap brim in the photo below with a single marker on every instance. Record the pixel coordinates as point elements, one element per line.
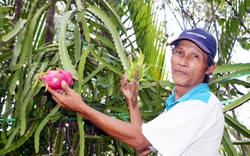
<point>199,44</point>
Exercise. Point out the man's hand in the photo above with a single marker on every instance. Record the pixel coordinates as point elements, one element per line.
<point>144,152</point>
<point>126,87</point>
<point>130,89</point>
<point>67,98</point>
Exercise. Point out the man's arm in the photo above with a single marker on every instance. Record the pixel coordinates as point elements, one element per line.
<point>130,91</point>
<point>128,133</point>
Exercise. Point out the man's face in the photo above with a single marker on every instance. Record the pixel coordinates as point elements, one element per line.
<point>188,64</point>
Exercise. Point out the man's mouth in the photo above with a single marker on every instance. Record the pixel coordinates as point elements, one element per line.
<point>180,72</point>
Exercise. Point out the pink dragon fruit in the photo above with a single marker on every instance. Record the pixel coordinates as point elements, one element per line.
<point>54,78</point>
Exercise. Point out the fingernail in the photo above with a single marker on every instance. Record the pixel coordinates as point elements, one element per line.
<point>63,82</point>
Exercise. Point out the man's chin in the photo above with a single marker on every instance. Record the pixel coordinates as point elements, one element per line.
<point>181,82</point>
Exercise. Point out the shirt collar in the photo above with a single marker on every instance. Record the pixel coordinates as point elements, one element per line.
<point>170,102</point>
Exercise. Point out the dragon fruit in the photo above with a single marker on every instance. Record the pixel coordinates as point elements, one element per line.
<point>54,78</point>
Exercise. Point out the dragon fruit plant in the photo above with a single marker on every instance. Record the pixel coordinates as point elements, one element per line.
<point>54,78</point>
<point>137,67</point>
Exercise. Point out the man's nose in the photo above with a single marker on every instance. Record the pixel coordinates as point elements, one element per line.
<point>184,61</point>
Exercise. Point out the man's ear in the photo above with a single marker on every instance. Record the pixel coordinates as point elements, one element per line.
<point>211,69</point>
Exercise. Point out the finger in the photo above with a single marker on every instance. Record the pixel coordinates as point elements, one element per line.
<point>144,152</point>
<point>55,94</point>
<point>64,93</point>
<point>52,91</point>
<point>124,86</point>
<point>124,77</point>
<point>65,87</point>
<point>57,101</point>
<point>60,91</point>
<point>123,81</point>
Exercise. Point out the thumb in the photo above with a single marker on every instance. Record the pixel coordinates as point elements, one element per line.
<point>65,86</point>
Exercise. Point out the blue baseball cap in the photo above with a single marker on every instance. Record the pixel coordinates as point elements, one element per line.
<point>201,38</point>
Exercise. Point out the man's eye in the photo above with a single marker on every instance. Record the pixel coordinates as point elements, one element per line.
<point>177,52</point>
<point>195,56</point>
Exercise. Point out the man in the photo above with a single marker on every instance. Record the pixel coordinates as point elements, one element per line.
<point>193,122</point>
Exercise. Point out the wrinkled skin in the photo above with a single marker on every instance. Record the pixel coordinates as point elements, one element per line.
<point>188,67</point>
<point>130,89</point>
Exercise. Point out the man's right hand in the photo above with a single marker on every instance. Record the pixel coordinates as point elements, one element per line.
<point>144,152</point>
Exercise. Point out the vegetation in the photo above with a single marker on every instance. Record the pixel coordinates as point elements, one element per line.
<point>95,41</point>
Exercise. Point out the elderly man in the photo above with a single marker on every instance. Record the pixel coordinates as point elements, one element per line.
<point>192,123</point>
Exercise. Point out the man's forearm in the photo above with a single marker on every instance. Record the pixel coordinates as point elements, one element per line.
<point>128,133</point>
<point>134,111</point>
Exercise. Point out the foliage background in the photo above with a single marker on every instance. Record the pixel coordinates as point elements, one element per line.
<point>95,40</point>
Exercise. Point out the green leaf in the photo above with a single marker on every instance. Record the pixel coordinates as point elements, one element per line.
<point>16,67</point>
<point>120,110</point>
<point>112,29</point>
<point>128,148</point>
<point>19,26</point>
<point>27,47</point>
<point>231,67</point>
<point>231,76</point>
<point>12,136</point>
<point>83,20</point>
<point>238,82</point>
<point>14,81</point>
<point>148,84</point>
<point>77,42</point>
<point>149,36</point>
<point>18,47</point>
<point>105,41</point>
<point>82,134</point>
<point>41,126</point>
<point>63,52</point>
<point>151,113</point>
<point>47,48</point>
<point>80,5</point>
<point>108,65</point>
<point>237,103</point>
<point>81,68</point>
<point>241,142</point>
<point>228,145</point>
<point>235,124</point>
<point>22,140</point>
<point>134,65</point>
<point>27,94</point>
<point>115,18</point>
<point>5,56</point>
<point>58,145</point>
<point>92,74</point>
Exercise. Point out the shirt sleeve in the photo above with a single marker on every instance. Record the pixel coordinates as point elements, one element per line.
<point>173,131</point>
